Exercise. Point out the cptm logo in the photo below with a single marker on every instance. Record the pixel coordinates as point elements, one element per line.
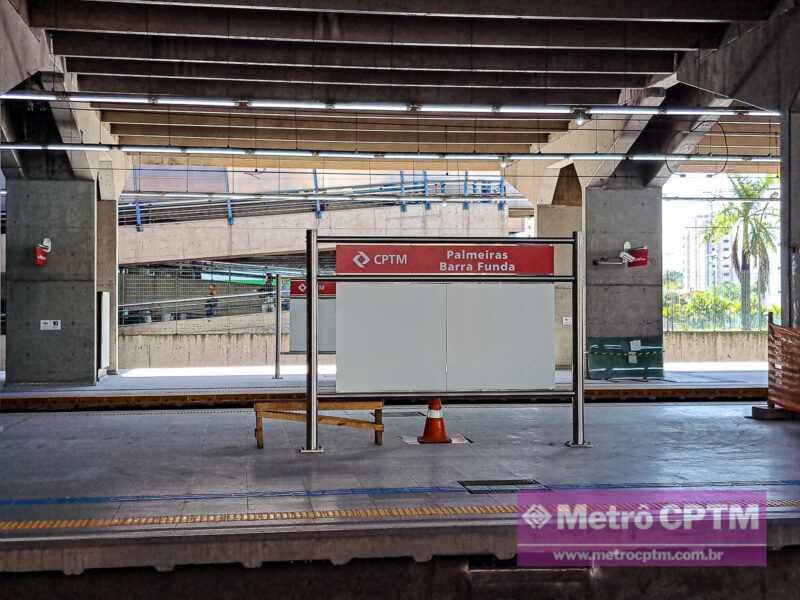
<point>361,259</point>
<point>537,516</point>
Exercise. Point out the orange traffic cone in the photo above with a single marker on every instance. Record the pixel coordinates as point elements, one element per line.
<point>434,425</point>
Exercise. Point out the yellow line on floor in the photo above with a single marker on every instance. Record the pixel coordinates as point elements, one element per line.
<point>301,515</point>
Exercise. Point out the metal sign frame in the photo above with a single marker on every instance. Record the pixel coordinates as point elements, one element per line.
<point>577,280</point>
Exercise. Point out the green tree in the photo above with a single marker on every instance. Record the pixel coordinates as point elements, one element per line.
<point>673,280</point>
<point>750,226</point>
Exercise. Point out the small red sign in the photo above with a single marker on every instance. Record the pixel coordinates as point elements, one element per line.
<point>523,259</point>
<point>639,257</point>
<point>299,287</point>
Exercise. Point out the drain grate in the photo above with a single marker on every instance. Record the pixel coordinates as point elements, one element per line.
<point>501,486</point>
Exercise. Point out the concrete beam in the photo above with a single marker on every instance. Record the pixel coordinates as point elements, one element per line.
<point>295,26</point>
<point>759,65</point>
<point>537,180</point>
<point>265,162</point>
<point>327,120</point>
<point>94,45</point>
<point>666,135</point>
<point>216,239</point>
<point>264,137</point>
<point>348,93</point>
<point>334,122</point>
<point>674,10</point>
<point>376,146</point>
<point>77,124</point>
<point>325,76</point>
<point>23,52</point>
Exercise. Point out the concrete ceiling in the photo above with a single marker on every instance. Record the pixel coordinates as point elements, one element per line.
<point>577,52</point>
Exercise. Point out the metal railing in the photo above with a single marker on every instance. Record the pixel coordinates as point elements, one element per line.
<point>196,308</point>
<point>144,208</point>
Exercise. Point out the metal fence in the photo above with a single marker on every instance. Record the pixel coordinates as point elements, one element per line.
<point>702,290</point>
<point>197,308</point>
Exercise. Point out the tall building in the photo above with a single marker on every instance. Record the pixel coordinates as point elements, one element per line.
<point>706,263</point>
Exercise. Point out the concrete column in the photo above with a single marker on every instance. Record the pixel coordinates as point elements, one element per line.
<point>107,271</point>
<point>561,219</point>
<point>790,218</point>
<point>623,305</point>
<point>63,290</point>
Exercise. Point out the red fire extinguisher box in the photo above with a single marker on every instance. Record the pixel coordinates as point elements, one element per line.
<point>41,256</point>
<point>639,257</point>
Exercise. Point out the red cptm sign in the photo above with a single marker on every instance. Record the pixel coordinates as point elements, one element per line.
<point>299,287</point>
<point>445,260</point>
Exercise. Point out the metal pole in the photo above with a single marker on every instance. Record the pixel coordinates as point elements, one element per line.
<point>278,302</point>
<point>578,342</point>
<point>312,295</point>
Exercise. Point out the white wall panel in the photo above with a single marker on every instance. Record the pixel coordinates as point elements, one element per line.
<point>326,325</point>
<point>500,336</point>
<point>393,337</point>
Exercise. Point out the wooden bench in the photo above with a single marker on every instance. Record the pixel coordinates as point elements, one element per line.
<point>295,410</point>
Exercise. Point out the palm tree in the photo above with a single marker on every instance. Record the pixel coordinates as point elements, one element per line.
<point>750,225</point>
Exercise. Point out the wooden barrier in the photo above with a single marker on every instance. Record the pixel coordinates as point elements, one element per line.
<point>296,411</point>
<point>784,367</point>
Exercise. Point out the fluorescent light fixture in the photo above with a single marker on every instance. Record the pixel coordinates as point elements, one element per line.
<point>394,106</point>
<point>152,149</point>
<point>28,96</point>
<point>719,112</point>
<point>14,146</point>
<point>533,156</point>
<point>287,104</point>
<point>411,156</point>
<point>763,113</point>
<point>347,155</point>
<point>543,110</point>
<point>467,108</point>
<point>471,157</point>
<point>283,153</point>
<point>79,147</point>
<point>110,98</point>
<point>197,101</point>
<point>597,156</point>
<point>623,110</point>
<point>765,159</point>
<point>713,158</point>
<point>215,151</point>
<point>652,157</point>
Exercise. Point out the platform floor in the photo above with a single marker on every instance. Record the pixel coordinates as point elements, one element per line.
<point>211,380</point>
<point>132,477</point>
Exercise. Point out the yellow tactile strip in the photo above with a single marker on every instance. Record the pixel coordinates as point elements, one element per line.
<point>305,515</point>
<point>300,515</point>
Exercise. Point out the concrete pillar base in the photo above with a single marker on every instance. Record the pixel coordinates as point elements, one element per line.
<point>63,290</point>
<point>623,304</point>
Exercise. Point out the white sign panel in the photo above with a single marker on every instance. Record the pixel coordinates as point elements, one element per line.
<point>326,324</point>
<point>500,336</point>
<point>401,337</point>
<point>392,337</point>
